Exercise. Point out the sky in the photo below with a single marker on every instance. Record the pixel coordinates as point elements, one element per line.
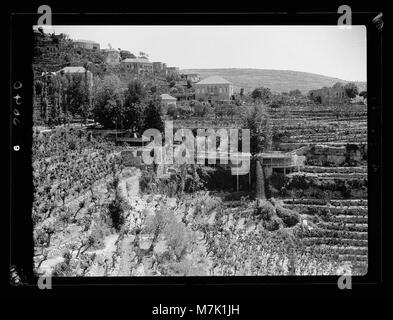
<point>325,50</point>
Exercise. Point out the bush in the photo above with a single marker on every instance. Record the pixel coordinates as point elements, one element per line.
<point>265,210</point>
<point>116,210</point>
<point>273,224</point>
<point>177,237</point>
<point>289,217</point>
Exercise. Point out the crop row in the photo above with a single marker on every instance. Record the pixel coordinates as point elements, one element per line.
<point>327,209</point>
<point>331,202</point>
<point>310,241</point>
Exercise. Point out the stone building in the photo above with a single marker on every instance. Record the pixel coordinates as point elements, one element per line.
<point>172,71</point>
<point>158,67</point>
<point>137,65</point>
<point>86,44</point>
<point>333,95</point>
<point>214,89</point>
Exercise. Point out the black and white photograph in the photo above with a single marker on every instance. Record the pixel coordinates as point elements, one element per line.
<point>199,150</point>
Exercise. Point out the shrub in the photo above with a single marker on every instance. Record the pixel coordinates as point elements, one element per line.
<point>289,217</point>
<point>265,210</point>
<point>177,237</point>
<point>116,210</point>
<point>273,224</point>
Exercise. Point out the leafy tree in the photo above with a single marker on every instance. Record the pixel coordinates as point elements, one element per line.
<point>351,90</point>
<point>199,109</point>
<point>295,92</point>
<point>134,117</point>
<point>116,211</point>
<point>133,109</point>
<point>135,92</point>
<point>124,54</point>
<point>363,94</point>
<point>153,116</point>
<point>261,93</point>
<point>256,120</point>
<point>77,94</point>
<point>108,101</point>
<point>277,101</point>
<point>172,111</point>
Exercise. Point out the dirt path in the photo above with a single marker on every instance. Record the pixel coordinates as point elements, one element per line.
<point>130,190</point>
<point>126,256</point>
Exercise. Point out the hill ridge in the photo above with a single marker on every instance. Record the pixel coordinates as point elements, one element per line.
<point>276,79</point>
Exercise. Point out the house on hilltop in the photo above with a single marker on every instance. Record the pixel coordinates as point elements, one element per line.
<point>137,65</point>
<point>158,67</point>
<point>86,44</point>
<point>214,89</point>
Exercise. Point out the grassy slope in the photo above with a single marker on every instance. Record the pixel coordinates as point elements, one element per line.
<point>276,80</point>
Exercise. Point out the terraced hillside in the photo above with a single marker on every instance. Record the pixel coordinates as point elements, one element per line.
<point>335,126</point>
<point>331,190</point>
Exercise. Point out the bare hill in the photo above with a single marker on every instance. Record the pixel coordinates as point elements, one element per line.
<point>276,80</point>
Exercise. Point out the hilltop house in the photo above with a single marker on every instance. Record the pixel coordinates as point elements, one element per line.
<point>158,67</point>
<point>137,65</point>
<point>214,89</point>
<point>86,44</point>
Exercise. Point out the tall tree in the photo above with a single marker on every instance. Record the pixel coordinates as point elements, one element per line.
<point>256,119</point>
<point>108,102</point>
<point>351,90</point>
<point>133,109</point>
<point>261,93</point>
<point>260,181</point>
<point>153,116</point>
<point>135,92</point>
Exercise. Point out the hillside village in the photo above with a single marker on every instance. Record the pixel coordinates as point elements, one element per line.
<point>98,210</point>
